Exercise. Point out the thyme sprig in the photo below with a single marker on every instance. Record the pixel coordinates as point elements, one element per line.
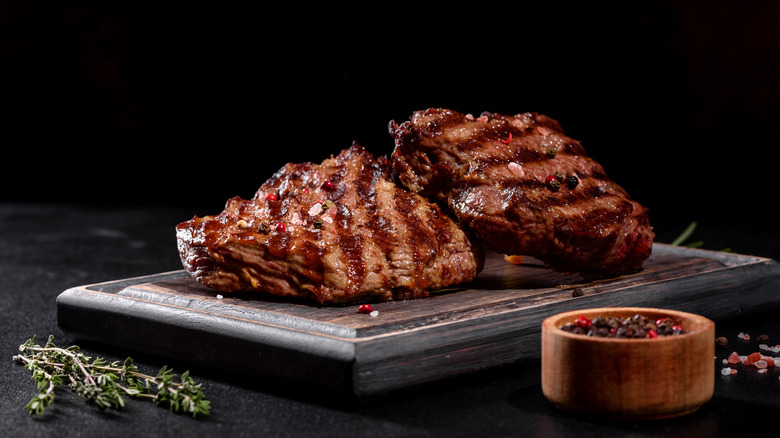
<point>105,384</point>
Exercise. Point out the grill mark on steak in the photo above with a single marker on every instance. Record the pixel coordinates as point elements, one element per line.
<point>464,163</point>
<point>351,247</point>
<point>381,228</point>
<point>405,204</point>
<point>365,250</point>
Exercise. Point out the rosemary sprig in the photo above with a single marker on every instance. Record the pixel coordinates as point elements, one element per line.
<point>105,384</point>
<point>685,235</point>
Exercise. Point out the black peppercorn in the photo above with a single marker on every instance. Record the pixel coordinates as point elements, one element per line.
<point>637,326</point>
<point>264,228</point>
<point>571,180</point>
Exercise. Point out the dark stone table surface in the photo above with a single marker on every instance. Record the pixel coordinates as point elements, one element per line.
<point>47,248</point>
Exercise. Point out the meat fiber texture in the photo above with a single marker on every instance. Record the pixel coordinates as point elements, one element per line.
<point>496,173</point>
<point>337,232</point>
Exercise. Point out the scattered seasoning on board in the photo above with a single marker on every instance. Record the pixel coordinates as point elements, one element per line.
<point>551,152</point>
<point>507,140</point>
<point>637,326</point>
<point>270,197</point>
<point>721,341</point>
<point>365,308</point>
<point>280,227</point>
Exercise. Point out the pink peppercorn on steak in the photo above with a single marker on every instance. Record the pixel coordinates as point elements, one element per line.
<point>337,232</point>
<point>523,188</point>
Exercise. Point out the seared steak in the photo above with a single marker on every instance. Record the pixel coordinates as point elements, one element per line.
<point>338,232</point>
<point>524,188</point>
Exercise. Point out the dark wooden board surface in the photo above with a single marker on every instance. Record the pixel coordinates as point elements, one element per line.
<point>491,322</point>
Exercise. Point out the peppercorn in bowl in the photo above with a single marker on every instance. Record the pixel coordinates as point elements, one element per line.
<point>628,362</point>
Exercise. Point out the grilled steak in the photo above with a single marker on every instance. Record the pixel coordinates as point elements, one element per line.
<point>497,174</point>
<point>338,232</point>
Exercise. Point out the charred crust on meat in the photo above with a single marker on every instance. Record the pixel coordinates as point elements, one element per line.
<point>373,240</point>
<point>596,227</point>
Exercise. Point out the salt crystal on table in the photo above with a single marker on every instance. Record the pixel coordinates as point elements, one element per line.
<point>219,297</point>
<point>760,364</point>
<point>762,370</point>
<point>744,336</point>
<point>734,358</point>
<point>775,349</point>
<point>725,371</point>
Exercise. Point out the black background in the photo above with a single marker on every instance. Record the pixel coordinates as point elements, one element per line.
<point>120,104</point>
<point>142,102</point>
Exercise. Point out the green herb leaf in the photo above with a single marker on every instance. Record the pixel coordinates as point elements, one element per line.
<point>102,383</point>
<point>685,235</point>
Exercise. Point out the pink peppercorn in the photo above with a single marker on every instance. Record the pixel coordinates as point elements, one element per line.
<point>583,322</point>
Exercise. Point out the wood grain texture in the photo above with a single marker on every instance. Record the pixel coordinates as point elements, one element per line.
<point>629,378</point>
<point>495,320</point>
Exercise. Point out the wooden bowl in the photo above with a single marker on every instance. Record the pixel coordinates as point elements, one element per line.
<point>631,379</point>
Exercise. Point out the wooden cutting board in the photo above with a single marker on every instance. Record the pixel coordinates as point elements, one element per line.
<point>496,320</point>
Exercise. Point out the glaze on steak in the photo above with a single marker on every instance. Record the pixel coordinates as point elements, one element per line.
<point>337,232</point>
<point>494,174</point>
